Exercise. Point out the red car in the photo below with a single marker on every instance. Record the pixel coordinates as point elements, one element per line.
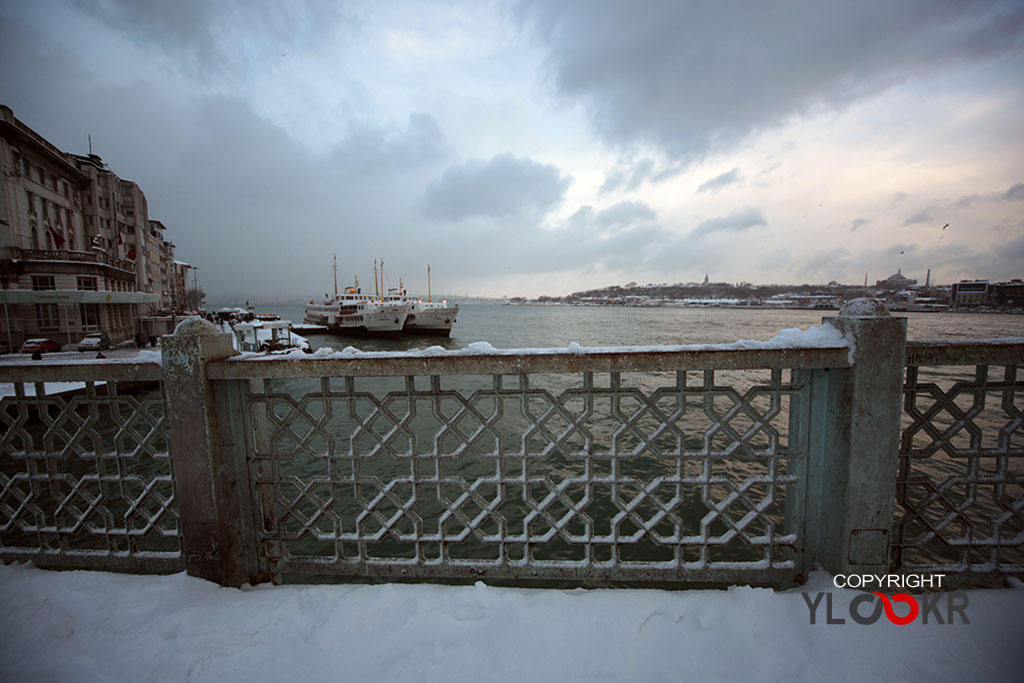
<point>40,345</point>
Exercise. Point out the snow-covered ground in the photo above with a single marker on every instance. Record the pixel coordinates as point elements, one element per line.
<point>89,626</point>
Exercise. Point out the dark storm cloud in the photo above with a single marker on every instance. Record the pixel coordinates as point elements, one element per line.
<point>376,150</point>
<point>718,182</point>
<point>209,37</point>
<point>504,187</point>
<point>737,221</point>
<point>690,77</point>
<point>257,211</point>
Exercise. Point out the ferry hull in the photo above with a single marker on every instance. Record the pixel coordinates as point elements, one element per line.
<point>437,322</point>
<point>385,322</point>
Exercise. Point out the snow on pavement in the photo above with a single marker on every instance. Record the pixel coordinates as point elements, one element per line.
<point>89,626</point>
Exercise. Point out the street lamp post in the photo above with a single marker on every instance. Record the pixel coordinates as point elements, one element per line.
<point>195,285</point>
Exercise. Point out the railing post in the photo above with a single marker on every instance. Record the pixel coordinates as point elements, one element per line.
<point>854,441</point>
<point>211,482</point>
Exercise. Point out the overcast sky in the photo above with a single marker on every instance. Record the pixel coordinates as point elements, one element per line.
<point>544,146</point>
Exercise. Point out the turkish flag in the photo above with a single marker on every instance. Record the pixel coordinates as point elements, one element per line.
<point>131,253</point>
<point>58,239</point>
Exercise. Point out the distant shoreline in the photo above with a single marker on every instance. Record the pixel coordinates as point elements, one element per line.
<point>900,309</point>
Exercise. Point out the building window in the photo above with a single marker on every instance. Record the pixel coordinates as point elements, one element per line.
<point>65,184</point>
<point>87,284</point>
<point>43,283</point>
<point>90,315</point>
<point>43,203</point>
<point>31,202</point>
<point>35,238</point>
<point>46,316</point>
<point>42,176</point>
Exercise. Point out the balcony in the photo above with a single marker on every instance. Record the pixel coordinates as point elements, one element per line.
<point>15,253</point>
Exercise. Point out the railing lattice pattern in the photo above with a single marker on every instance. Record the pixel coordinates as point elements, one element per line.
<point>960,487</point>
<point>674,476</point>
<point>85,477</point>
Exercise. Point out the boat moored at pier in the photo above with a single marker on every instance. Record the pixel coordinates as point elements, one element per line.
<point>384,314</point>
<point>354,313</point>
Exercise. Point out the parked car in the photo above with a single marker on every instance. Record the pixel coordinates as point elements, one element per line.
<point>40,346</point>
<point>94,341</point>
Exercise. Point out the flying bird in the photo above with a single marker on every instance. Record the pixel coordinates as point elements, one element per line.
<point>945,226</point>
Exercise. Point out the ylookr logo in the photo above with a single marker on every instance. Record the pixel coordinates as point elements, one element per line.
<point>867,608</point>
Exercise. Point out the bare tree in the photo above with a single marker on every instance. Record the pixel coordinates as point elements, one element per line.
<point>194,299</point>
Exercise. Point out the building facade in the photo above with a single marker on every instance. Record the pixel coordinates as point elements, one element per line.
<point>78,252</point>
<point>969,293</point>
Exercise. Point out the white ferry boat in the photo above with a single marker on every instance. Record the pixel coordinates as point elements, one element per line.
<point>425,317</point>
<point>353,312</point>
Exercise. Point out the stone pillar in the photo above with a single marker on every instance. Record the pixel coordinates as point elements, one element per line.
<point>854,441</point>
<point>210,476</point>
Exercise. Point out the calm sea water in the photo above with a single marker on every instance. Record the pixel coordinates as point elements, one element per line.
<point>556,326</point>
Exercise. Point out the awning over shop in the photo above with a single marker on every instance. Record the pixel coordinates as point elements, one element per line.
<point>73,296</point>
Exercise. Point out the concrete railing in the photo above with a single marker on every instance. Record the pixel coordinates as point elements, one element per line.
<point>749,463</point>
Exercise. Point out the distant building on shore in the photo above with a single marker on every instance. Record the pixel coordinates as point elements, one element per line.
<point>970,293</point>
<point>896,282</point>
<point>1007,294</point>
<point>78,252</point>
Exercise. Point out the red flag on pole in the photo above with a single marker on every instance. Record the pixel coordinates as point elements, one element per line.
<point>58,239</point>
<point>131,253</point>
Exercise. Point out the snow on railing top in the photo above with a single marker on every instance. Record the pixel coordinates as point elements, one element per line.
<point>818,337</point>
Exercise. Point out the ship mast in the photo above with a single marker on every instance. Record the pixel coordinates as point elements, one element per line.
<point>376,291</point>
<point>335,275</point>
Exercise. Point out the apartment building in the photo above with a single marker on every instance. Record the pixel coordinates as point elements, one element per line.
<point>78,252</point>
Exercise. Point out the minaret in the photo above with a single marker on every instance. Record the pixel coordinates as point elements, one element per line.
<point>928,279</point>
<point>865,279</point>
